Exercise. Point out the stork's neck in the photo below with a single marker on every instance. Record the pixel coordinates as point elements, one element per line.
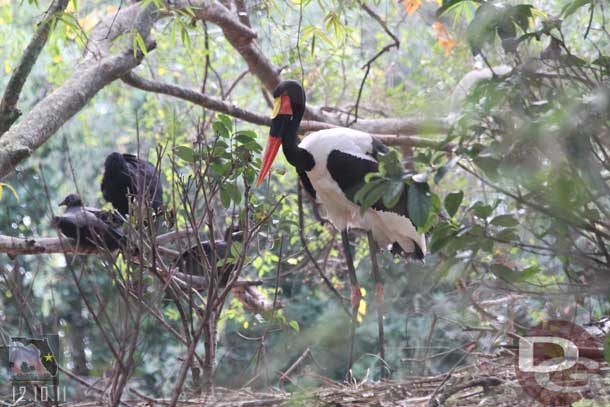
<point>300,158</point>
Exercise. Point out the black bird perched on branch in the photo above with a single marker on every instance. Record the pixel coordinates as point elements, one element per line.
<point>192,262</point>
<point>90,227</point>
<point>332,165</point>
<point>126,177</point>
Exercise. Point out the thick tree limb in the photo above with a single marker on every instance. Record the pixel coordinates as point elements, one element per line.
<point>89,77</point>
<point>14,246</point>
<point>196,97</point>
<point>413,126</point>
<point>8,106</point>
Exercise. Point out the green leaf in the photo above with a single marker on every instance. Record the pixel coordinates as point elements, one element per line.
<point>507,235</point>
<point>453,201</point>
<point>139,43</point>
<point>13,191</point>
<point>512,276</point>
<point>225,195</point>
<point>441,235</point>
<point>390,165</point>
<point>393,194</point>
<point>373,195</point>
<point>504,272</point>
<point>481,210</point>
<point>504,220</point>
<point>294,325</point>
<point>186,153</point>
<point>572,6</point>
<point>450,5</point>
<point>236,248</point>
<point>419,203</point>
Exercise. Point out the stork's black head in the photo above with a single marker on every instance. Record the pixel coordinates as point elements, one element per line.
<point>115,162</point>
<point>71,201</point>
<point>292,92</point>
<point>288,109</point>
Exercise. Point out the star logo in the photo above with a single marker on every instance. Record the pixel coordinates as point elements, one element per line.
<point>48,357</point>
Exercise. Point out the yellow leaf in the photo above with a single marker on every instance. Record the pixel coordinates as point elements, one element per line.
<point>246,324</point>
<point>444,38</point>
<point>89,21</point>
<point>412,5</point>
<point>361,311</point>
<point>362,307</point>
<point>57,59</point>
<point>161,71</point>
<point>7,67</point>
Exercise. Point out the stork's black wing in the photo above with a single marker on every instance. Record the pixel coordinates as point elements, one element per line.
<point>349,172</point>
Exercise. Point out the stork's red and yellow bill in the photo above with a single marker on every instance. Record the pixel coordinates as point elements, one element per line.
<point>281,106</point>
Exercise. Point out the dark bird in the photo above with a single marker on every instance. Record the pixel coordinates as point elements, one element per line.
<point>332,165</point>
<point>126,177</point>
<point>196,259</point>
<point>90,227</point>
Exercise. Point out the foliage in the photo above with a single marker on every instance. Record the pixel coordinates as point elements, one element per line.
<point>515,199</point>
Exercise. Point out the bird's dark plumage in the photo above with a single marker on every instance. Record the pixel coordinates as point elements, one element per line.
<point>90,227</point>
<point>191,262</point>
<point>126,175</point>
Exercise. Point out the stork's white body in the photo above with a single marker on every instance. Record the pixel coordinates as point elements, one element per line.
<point>387,227</point>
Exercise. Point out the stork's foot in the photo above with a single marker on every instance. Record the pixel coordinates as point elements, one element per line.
<point>356,297</point>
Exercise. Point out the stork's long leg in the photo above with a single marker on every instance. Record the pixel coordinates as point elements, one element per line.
<point>356,294</point>
<point>373,249</point>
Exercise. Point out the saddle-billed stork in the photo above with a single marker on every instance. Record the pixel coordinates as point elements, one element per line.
<point>332,165</point>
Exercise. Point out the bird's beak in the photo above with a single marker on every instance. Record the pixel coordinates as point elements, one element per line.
<point>273,146</point>
<point>62,203</point>
<point>281,115</point>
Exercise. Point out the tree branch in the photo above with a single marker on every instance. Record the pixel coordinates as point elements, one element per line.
<point>8,106</point>
<point>383,127</point>
<point>97,70</point>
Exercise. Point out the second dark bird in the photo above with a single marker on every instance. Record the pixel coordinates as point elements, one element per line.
<point>191,261</point>
<point>126,177</point>
<point>90,227</point>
